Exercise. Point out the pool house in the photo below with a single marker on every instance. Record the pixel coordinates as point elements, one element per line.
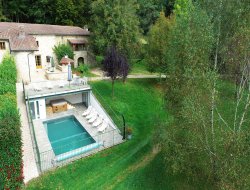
<point>59,130</point>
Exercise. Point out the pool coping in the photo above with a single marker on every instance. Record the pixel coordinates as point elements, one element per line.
<point>43,142</point>
<point>81,125</point>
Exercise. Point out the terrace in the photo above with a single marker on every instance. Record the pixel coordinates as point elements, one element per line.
<point>53,88</point>
<point>54,100</point>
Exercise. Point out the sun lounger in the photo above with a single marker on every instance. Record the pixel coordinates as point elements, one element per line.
<point>37,88</point>
<point>103,127</point>
<point>91,114</point>
<point>98,121</point>
<point>91,120</point>
<point>87,112</point>
<point>49,85</point>
<point>61,84</point>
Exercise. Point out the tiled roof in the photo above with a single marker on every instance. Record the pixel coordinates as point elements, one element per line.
<point>45,29</point>
<point>66,60</point>
<point>77,41</point>
<point>19,41</point>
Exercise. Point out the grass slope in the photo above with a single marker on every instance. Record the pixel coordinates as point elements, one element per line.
<point>119,167</point>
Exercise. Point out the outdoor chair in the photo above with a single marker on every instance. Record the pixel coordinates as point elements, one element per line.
<point>87,112</point>
<point>49,85</point>
<point>91,114</point>
<point>37,87</point>
<point>61,84</point>
<point>98,121</point>
<point>93,118</point>
<point>103,127</point>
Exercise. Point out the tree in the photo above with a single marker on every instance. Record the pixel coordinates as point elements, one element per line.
<point>65,12</point>
<point>148,12</point>
<point>63,49</point>
<point>2,17</point>
<point>200,142</point>
<point>158,39</point>
<point>115,65</point>
<point>115,22</point>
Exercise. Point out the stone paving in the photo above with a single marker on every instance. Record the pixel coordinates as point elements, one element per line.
<point>29,162</point>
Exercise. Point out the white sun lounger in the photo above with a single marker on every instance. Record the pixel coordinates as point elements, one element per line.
<point>91,114</point>
<point>98,121</point>
<point>49,85</point>
<point>87,112</point>
<point>37,88</point>
<point>103,127</point>
<point>61,84</point>
<point>91,120</point>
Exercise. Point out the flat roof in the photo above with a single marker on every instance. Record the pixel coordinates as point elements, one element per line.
<point>41,90</point>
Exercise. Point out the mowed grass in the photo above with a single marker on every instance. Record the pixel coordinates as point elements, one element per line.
<point>132,165</point>
<point>139,68</point>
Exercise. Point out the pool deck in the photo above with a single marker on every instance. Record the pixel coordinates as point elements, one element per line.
<point>110,138</point>
<point>30,170</point>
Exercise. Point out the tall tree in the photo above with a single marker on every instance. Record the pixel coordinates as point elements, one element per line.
<point>2,17</point>
<point>115,65</point>
<point>148,12</point>
<point>200,142</point>
<point>65,12</point>
<point>158,39</point>
<point>115,22</point>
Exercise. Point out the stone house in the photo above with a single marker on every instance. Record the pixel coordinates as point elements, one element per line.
<point>32,45</point>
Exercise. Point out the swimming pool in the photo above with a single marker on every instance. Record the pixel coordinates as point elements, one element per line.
<point>67,134</point>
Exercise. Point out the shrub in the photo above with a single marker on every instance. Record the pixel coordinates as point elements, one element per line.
<point>8,75</point>
<point>83,68</point>
<point>63,49</point>
<point>11,168</point>
<point>99,59</point>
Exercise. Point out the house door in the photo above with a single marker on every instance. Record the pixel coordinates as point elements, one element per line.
<point>38,109</point>
<point>38,61</point>
<point>80,61</point>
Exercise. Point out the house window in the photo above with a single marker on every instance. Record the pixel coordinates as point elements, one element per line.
<point>48,59</point>
<point>37,43</point>
<point>2,46</point>
<point>38,61</point>
<point>79,47</point>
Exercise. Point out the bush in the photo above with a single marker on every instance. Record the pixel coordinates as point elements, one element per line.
<point>8,75</point>
<point>99,59</point>
<point>11,168</point>
<point>63,49</point>
<point>83,69</point>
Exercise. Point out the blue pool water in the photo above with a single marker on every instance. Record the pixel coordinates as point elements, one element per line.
<point>67,134</point>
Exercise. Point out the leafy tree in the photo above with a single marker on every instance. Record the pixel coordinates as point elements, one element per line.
<point>115,65</point>
<point>63,49</point>
<point>200,143</point>
<point>16,10</point>
<point>2,17</point>
<point>158,39</point>
<point>42,11</point>
<point>148,12</point>
<point>115,22</point>
<point>65,12</point>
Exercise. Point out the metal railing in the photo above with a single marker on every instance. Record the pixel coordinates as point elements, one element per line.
<point>33,136</point>
<point>78,148</point>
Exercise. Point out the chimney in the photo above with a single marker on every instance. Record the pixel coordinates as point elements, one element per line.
<point>21,33</point>
<point>86,28</point>
<point>66,56</point>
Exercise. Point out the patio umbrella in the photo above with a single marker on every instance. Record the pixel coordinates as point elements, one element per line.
<point>52,64</point>
<point>69,73</point>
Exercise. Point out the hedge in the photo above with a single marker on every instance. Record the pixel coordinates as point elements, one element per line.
<point>63,49</point>
<point>11,167</point>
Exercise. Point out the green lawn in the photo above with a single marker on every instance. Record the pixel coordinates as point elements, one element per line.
<point>125,166</point>
<point>134,164</point>
<point>139,67</point>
